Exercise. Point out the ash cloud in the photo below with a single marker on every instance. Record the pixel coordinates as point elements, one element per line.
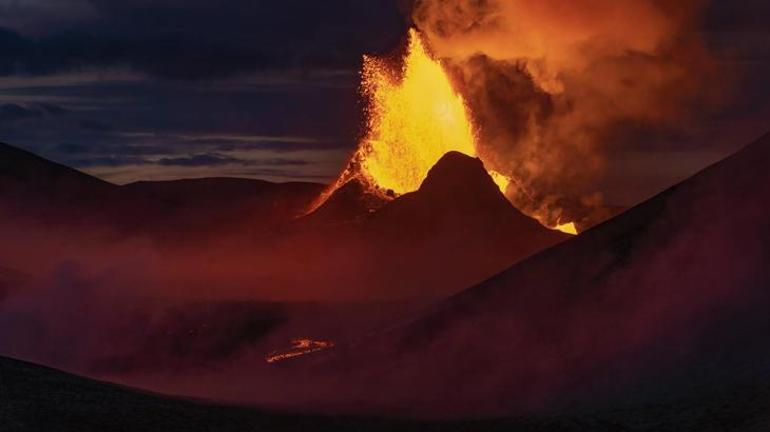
<point>207,159</point>
<point>553,84</point>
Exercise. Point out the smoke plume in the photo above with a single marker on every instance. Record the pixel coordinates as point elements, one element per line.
<point>552,83</point>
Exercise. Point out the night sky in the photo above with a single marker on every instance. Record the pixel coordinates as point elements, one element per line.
<point>159,89</point>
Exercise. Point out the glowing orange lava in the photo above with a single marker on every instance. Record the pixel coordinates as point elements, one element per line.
<point>299,347</point>
<point>414,117</point>
<point>568,228</point>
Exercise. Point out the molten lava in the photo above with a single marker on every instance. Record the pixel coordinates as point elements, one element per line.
<point>298,348</point>
<point>567,228</point>
<point>502,181</point>
<point>414,117</point>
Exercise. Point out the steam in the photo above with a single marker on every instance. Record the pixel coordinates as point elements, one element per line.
<point>552,84</point>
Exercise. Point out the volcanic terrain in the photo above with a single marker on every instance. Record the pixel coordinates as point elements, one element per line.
<point>196,274</point>
<point>663,303</point>
<point>646,322</point>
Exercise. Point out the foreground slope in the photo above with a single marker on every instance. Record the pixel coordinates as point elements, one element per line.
<point>35,398</point>
<point>670,298</point>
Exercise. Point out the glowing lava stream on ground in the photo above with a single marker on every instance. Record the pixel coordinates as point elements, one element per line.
<point>414,117</point>
<point>299,347</point>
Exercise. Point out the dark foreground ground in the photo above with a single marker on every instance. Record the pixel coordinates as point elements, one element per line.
<point>35,398</point>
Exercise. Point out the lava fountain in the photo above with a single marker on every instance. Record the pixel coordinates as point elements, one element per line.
<point>413,120</point>
<point>414,117</point>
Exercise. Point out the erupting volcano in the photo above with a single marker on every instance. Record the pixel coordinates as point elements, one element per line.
<point>410,215</point>
<point>414,117</point>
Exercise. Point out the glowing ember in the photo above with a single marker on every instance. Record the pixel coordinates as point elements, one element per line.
<point>299,347</point>
<point>502,181</point>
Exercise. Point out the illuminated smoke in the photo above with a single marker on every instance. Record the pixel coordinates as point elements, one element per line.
<point>552,83</point>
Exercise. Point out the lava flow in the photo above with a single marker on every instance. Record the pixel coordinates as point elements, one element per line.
<point>298,348</point>
<point>568,228</point>
<point>414,117</point>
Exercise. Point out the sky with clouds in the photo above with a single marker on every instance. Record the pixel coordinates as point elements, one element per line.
<point>158,89</point>
<point>136,89</point>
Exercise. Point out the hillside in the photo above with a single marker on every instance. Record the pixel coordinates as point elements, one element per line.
<point>664,299</point>
<point>36,398</point>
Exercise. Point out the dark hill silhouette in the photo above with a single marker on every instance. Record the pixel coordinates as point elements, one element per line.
<point>347,204</point>
<point>197,194</point>
<point>35,189</point>
<point>213,206</point>
<point>455,230</point>
<point>459,194</point>
<point>26,175</point>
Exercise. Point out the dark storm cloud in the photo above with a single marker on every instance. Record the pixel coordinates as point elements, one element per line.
<point>11,112</point>
<point>198,39</point>
<point>208,159</point>
<point>95,126</point>
<point>73,149</point>
<point>216,159</point>
<point>281,162</point>
<point>193,160</point>
<point>280,146</point>
<point>121,152</point>
<point>54,109</point>
<point>108,161</point>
